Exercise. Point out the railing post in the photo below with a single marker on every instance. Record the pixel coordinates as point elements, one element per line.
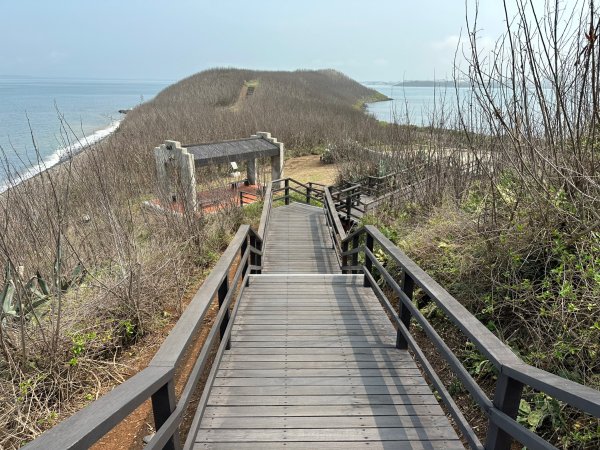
<point>164,403</point>
<point>255,258</point>
<point>223,289</point>
<point>344,257</point>
<point>253,255</point>
<point>308,190</point>
<point>241,198</point>
<point>506,399</point>
<point>287,191</point>
<point>258,259</point>
<point>355,244</point>
<point>368,262</point>
<point>243,249</point>
<point>348,206</point>
<point>408,286</point>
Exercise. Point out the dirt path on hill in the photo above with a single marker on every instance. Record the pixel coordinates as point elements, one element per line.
<point>241,97</point>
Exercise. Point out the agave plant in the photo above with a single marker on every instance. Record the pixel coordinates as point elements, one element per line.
<point>7,295</point>
<point>36,294</point>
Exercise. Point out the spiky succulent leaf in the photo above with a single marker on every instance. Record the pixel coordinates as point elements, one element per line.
<point>8,293</point>
<point>42,284</point>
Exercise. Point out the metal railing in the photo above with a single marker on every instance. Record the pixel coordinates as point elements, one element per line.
<point>157,380</point>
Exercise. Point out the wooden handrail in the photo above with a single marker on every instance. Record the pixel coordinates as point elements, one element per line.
<point>514,374</point>
<point>162,435</point>
<point>266,212</point>
<point>492,347</point>
<point>336,222</point>
<point>156,381</point>
<point>189,442</point>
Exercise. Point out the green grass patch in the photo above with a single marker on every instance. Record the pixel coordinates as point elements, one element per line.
<point>361,103</point>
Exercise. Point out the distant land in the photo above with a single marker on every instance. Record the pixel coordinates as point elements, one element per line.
<point>419,83</point>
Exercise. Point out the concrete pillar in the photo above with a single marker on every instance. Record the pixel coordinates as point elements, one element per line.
<point>251,171</point>
<point>277,168</point>
<point>161,158</point>
<point>176,174</point>
<point>277,161</point>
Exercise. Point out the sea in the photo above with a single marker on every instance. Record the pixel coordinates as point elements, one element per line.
<point>417,105</point>
<point>35,112</point>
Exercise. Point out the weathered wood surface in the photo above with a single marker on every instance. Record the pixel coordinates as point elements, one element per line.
<point>313,362</point>
<point>298,241</point>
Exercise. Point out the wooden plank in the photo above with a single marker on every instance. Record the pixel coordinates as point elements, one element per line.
<point>256,365</point>
<point>326,434</point>
<point>324,411</point>
<point>375,330</point>
<point>390,359</point>
<point>334,315</point>
<point>409,380</point>
<point>310,321</point>
<point>316,343</point>
<point>277,334</point>
<point>327,280</point>
<point>382,372</point>
<point>329,331</point>
<point>332,422</point>
<point>330,445</point>
<point>305,400</point>
<point>312,310</point>
<point>306,303</point>
<point>322,300</point>
<point>321,390</point>
<point>309,326</point>
<point>315,351</point>
<point>309,340</point>
<point>301,328</point>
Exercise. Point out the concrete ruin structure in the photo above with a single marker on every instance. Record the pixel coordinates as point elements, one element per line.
<point>176,163</point>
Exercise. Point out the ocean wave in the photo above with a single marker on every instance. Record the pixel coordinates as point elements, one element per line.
<point>59,156</point>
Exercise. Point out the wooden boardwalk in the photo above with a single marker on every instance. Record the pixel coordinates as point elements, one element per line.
<point>313,362</point>
<point>298,241</point>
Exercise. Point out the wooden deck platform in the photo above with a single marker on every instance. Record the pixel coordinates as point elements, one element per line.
<point>313,362</point>
<point>298,241</point>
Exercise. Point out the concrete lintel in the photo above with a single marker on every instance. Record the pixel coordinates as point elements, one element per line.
<point>237,158</point>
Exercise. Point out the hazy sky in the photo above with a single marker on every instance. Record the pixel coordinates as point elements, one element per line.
<point>170,39</point>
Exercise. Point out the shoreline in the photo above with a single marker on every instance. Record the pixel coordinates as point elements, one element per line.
<point>60,156</point>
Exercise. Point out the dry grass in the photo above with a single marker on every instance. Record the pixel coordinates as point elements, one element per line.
<point>310,168</point>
